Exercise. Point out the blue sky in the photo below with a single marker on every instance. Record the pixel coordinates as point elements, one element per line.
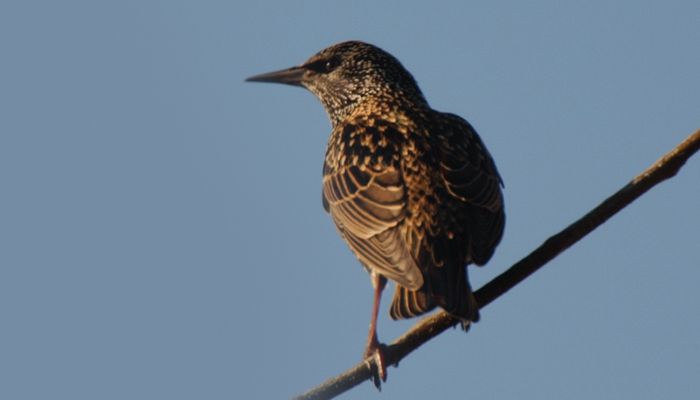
<point>161,225</point>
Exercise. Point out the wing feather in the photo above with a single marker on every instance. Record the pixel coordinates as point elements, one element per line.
<point>368,206</point>
<point>470,175</point>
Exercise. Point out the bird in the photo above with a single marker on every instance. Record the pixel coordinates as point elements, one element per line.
<point>413,191</point>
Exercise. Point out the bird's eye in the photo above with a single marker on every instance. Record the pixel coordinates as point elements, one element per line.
<point>331,64</point>
<point>324,66</point>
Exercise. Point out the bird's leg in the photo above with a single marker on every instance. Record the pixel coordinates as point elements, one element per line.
<point>374,348</point>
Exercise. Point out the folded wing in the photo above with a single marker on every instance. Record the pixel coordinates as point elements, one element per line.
<point>368,205</point>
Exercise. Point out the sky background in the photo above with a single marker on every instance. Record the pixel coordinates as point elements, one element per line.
<point>161,228</point>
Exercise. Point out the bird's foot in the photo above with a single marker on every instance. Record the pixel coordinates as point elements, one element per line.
<point>375,352</point>
<point>465,324</point>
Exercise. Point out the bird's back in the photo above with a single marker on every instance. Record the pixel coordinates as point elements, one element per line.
<point>417,197</point>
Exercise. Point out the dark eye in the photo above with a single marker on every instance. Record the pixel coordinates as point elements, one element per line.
<point>331,64</point>
<point>324,66</point>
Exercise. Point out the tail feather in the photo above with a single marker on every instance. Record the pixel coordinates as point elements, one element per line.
<point>454,295</point>
<point>408,303</point>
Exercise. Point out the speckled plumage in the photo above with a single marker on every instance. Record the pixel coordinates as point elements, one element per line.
<point>416,196</point>
<point>413,191</point>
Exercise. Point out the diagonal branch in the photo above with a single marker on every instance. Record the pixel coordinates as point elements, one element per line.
<point>431,326</point>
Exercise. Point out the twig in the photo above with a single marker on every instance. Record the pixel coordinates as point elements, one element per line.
<point>431,326</point>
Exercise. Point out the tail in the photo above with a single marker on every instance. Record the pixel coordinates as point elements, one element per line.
<point>408,304</point>
<point>451,291</point>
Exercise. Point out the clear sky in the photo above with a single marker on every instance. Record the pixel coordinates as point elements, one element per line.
<point>161,228</point>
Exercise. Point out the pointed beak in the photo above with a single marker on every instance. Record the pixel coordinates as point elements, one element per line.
<point>291,76</point>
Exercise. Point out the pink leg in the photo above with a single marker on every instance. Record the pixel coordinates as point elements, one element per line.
<point>374,348</point>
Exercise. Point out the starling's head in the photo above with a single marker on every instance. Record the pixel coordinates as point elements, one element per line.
<point>347,74</point>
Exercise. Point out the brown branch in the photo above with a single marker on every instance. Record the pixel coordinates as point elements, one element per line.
<point>431,326</point>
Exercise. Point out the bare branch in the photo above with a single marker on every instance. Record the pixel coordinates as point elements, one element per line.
<point>431,326</point>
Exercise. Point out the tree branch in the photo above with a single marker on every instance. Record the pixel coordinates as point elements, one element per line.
<point>431,326</point>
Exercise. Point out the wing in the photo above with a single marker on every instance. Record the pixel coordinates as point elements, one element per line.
<point>470,175</point>
<point>368,205</point>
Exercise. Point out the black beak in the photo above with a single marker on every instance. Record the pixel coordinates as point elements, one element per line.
<point>291,76</point>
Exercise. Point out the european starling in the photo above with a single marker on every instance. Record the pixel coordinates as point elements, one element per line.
<point>413,191</point>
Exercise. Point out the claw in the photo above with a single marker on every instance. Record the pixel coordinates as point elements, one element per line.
<point>466,324</point>
<point>375,352</point>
